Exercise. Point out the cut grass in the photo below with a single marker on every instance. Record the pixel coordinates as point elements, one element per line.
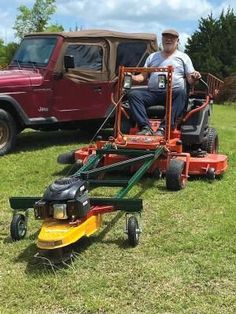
<point>185,262</point>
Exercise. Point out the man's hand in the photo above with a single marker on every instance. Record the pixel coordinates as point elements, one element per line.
<point>139,78</point>
<point>195,75</point>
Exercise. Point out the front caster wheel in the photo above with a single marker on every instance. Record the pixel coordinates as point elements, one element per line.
<point>18,227</point>
<point>174,179</point>
<point>133,231</point>
<point>211,174</point>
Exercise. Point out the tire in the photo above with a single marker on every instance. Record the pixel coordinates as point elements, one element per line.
<point>174,179</point>
<point>18,227</point>
<point>133,231</point>
<point>8,132</point>
<point>211,174</point>
<point>156,174</point>
<point>66,158</point>
<point>211,145</point>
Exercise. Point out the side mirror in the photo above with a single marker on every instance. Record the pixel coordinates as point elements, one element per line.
<point>69,62</point>
<point>127,81</point>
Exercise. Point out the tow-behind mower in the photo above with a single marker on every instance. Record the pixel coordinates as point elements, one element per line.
<point>70,213</point>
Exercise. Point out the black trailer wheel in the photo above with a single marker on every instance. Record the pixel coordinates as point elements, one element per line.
<point>18,227</point>
<point>7,132</point>
<point>174,179</point>
<point>211,145</point>
<point>133,231</point>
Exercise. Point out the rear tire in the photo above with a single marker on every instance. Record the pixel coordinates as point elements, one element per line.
<point>174,179</point>
<point>211,145</point>
<point>8,132</point>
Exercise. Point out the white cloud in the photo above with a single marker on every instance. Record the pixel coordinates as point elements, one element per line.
<point>135,15</point>
<point>149,10</point>
<point>122,15</point>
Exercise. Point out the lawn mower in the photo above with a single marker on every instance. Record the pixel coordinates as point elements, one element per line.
<point>68,210</point>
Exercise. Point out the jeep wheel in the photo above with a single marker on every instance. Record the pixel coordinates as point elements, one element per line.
<point>7,132</point>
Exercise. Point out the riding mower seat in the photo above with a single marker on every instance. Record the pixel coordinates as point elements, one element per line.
<point>194,130</point>
<point>157,111</point>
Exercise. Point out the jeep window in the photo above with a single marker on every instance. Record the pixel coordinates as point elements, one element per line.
<point>86,56</point>
<point>131,54</point>
<point>36,51</point>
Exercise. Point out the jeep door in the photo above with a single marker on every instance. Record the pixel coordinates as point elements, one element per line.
<point>83,92</point>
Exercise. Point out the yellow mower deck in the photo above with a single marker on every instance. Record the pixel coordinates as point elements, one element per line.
<point>57,234</point>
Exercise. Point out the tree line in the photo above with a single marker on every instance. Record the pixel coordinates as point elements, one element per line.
<point>212,47</point>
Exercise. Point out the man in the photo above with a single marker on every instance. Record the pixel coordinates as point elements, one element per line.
<point>139,99</point>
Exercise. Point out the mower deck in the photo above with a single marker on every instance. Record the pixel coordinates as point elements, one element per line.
<point>130,145</point>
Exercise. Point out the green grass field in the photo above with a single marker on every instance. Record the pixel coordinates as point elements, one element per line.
<point>185,262</point>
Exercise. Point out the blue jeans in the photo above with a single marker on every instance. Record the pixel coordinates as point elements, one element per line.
<point>140,99</point>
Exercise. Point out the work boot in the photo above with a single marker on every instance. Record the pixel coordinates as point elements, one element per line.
<point>160,132</point>
<point>146,130</point>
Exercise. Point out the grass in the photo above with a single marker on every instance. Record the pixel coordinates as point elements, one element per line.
<point>185,262</point>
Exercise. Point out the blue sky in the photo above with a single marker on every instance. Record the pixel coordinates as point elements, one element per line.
<point>122,15</point>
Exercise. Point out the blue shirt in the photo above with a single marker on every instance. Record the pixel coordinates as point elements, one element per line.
<point>181,63</point>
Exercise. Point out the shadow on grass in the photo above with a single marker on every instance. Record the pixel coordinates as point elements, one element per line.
<point>36,266</point>
<point>36,140</point>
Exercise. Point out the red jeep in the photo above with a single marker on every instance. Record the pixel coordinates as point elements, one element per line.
<point>65,80</point>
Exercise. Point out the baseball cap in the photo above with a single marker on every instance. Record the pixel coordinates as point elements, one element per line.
<point>171,32</point>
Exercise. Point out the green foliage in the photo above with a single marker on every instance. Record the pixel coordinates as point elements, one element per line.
<point>10,51</point>
<point>213,46</point>
<point>54,28</point>
<point>6,52</point>
<point>185,262</point>
<point>35,19</point>
<point>2,52</point>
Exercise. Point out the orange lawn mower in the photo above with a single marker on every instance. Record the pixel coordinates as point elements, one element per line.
<point>70,213</point>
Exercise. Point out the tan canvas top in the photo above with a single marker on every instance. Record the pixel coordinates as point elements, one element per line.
<point>108,40</point>
<point>98,33</point>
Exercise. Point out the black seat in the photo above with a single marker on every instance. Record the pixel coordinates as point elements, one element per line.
<point>156,112</point>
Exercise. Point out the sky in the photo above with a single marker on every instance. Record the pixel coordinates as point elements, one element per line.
<point>150,16</point>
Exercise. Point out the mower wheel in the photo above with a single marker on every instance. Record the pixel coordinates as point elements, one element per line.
<point>174,179</point>
<point>211,145</point>
<point>211,174</point>
<point>133,231</point>
<point>67,158</point>
<point>18,227</point>
<point>156,174</point>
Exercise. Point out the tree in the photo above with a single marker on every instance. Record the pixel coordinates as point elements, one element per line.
<point>213,46</point>
<point>54,28</point>
<point>6,53</point>
<point>35,19</point>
